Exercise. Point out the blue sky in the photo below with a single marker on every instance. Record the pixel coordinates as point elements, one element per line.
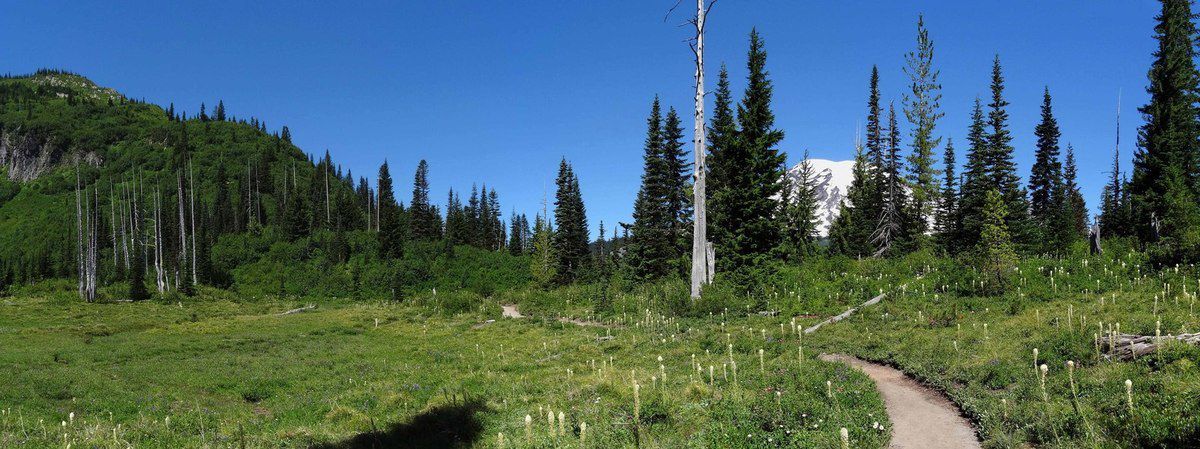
<point>496,92</point>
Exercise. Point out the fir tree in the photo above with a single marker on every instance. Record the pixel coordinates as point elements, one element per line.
<point>137,266</point>
<point>947,223</point>
<point>220,112</point>
<point>1163,188</point>
<point>1069,221</point>
<point>391,232</point>
<point>1112,217</point>
<point>976,182</point>
<point>921,110</point>
<point>995,256</point>
<point>570,218</point>
<point>891,229</point>
<point>1046,175</point>
<point>651,246</point>
<point>799,211</point>
<point>723,153</point>
<point>851,230</point>
<point>1000,166</point>
<point>678,193</point>
<point>543,263</point>
<point>424,223</point>
<point>749,197</point>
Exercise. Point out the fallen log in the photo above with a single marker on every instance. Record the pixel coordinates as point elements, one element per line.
<point>1130,347</point>
<point>302,309</point>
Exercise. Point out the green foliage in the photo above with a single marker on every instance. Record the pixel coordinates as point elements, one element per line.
<point>994,255</point>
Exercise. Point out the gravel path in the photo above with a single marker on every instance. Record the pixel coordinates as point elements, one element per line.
<point>921,417</point>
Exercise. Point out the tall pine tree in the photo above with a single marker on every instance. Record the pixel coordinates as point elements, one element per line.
<point>571,236</point>
<point>921,110</point>
<point>1163,188</point>
<point>652,245</point>
<point>1046,176</point>
<point>391,231</point>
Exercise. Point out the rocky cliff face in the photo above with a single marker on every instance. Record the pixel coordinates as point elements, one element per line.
<point>27,156</point>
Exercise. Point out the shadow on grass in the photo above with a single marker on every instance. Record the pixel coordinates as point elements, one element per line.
<point>447,426</point>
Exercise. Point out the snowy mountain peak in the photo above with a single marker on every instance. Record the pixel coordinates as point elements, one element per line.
<point>832,182</point>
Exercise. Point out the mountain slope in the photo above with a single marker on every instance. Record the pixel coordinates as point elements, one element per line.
<point>832,181</point>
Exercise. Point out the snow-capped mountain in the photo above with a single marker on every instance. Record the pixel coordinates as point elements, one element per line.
<point>832,181</point>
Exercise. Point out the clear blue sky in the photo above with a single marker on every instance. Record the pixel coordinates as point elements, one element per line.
<point>497,92</point>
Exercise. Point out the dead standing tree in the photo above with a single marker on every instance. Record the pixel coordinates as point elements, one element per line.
<point>703,257</point>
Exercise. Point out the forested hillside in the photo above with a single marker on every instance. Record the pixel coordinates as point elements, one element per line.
<point>94,182</point>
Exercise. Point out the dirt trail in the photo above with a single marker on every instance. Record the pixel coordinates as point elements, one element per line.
<point>510,311</point>
<point>921,417</point>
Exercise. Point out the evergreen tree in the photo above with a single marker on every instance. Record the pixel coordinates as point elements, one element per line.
<point>891,231</point>
<point>137,266</point>
<point>947,224</point>
<point>799,211</point>
<point>851,230</point>
<point>723,154</point>
<point>872,204</point>
<point>1000,166</point>
<point>976,182</point>
<point>1068,223</point>
<point>678,194</point>
<point>748,197</point>
<point>1046,176</point>
<point>391,232</point>
<point>571,237</point>
<point>516,234</point>
<point>543,263</point>
<point>1163,190</point>
<point>921,110</point>
<point>220,112</point>
<point>995,256</point>
<point>652,246</point>
<point>1112,208</point>
<point>424,222</point>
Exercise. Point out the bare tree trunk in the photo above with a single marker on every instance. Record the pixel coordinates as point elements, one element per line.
<point>192,206</point>
<point>160,276</point>
<point>702,255</point>
<point>183,239</point>
<point>79,230</point>
<point>112,213</point>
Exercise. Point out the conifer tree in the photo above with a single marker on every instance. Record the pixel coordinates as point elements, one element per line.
<point>571,236</point>
<point>424,223</point>
<point>1068,223</point>
<point>137,266</point>
<point>651,245</point>
<point>220,112</point>
<point>995,256</point>
<point>391,232</point>
<point>1046,176</point>
<point>1112,217</point>
<point>722,154</point>
<point>1163,190</point>
<point>851,230</point>
<point>947,223</point>
<point>677,173</point>
<point>872,204</point>
<point>921,110</point>
<point>1000,166</point>
<point>543,263</point>
<point>748,197</point>
<point>799,211</point>
<point>891,229</point>
<point>976,182</point>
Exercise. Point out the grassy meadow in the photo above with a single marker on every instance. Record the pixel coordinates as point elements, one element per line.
<point>224,371</point>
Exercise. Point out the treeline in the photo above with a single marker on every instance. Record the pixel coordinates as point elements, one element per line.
<point>160,200</point>
<point>903,199</point>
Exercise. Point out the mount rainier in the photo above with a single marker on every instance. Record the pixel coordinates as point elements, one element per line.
<point>832,181</point>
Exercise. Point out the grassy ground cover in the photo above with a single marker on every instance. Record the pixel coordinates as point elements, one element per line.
<point>980,350</point>
<point>225,371</point>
